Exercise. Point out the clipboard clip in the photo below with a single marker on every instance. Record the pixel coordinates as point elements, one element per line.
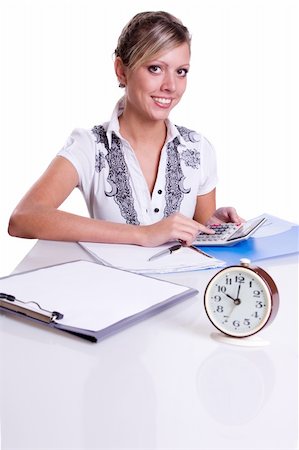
<point>11,303</point>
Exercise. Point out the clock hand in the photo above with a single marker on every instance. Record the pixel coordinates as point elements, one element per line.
<point>229,296</point>
<point>236,301</point>
<point>238,291</point>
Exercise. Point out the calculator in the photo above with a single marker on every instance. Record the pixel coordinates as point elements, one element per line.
<point>229,233</point>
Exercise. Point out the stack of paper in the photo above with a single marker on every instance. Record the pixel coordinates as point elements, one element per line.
<point>136,259</point>
<point>95,301</point>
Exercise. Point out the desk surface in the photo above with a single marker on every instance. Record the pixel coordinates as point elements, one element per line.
<point>161,384</point>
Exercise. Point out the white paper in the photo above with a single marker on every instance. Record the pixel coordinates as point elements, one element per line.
<point>136,258</point>
<point>89,295</point>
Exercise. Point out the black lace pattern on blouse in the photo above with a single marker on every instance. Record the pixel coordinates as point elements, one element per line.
<point>190,156</point>
<point>174,179</point>
<point>118,176</point>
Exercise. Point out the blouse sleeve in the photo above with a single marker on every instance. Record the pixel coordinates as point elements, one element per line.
<point>209,177</point>
<point>79,149</point>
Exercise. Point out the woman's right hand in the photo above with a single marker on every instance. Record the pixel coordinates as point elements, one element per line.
<point>175,227</point>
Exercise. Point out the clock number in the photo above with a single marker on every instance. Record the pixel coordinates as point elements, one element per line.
<point>246,322</point>
<point>239,279</point>
<point>217,298</point>
<point>256,293</point>
<point>236,323</point>
<point>221,289</point>
<point>228,281</point>
<point>219,309</point>
<point>258,304</point>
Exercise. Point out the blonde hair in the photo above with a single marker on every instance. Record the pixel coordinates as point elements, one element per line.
<point>147,34</point>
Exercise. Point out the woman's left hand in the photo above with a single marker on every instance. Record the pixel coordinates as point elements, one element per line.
<point>224,215</point>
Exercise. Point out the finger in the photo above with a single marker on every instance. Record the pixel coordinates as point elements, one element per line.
<point>237,219</point>
<point>190,226</point>
<point>233,216</point>
<point>187,237</point>
<point>199,227</point>
<point>205,229</point>
<point>214,221</point>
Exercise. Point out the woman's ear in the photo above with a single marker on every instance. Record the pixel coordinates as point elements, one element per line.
<point>120,71</point>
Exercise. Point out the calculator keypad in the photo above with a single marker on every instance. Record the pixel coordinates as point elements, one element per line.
<point>222,231</point>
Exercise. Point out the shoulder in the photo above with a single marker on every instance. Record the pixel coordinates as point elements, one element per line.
<point>192,138</point>
<point>80,137</point>
<point>188,135</point>
<point>195,149</point>
<point>88,139</point>
<point>79,147</point>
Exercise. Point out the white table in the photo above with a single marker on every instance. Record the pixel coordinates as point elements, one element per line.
<point>160,384</point>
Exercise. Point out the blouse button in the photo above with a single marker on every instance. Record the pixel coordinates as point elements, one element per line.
<point>159,191</point>
<point>156,210</point>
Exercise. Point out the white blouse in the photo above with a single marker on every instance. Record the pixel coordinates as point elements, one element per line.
<point>113,185</point>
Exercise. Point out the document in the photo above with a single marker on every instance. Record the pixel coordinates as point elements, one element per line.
<point>89,299</point>
<point>137,259</point>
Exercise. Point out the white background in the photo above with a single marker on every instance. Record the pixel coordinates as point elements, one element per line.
<point>57,74</point>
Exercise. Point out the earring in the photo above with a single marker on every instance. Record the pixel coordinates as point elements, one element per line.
<point>121,85</point>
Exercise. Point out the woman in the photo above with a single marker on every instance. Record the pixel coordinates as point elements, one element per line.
<point>145,180</point>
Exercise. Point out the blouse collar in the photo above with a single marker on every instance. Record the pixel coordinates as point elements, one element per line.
<point>113,125</point>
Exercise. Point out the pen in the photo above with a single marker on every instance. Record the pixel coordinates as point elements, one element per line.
<point>166,251</point>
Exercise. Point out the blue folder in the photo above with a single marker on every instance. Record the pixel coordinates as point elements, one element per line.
<point>277,237</point>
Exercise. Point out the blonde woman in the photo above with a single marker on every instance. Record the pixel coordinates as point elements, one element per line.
<point>145,180</point>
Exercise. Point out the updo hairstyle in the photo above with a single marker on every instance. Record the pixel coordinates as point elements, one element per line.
<point>147,34</point>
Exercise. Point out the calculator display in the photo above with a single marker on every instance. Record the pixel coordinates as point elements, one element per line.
<point>245,229</point>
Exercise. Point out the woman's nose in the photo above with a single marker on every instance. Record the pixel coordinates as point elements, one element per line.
<point>168,83</point>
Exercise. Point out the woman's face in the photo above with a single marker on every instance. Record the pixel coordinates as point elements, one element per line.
<point>156,87</point>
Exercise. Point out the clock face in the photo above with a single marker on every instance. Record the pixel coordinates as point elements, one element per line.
<point>238,301</point>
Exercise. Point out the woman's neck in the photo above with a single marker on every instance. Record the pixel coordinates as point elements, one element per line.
<point>146,139</point>
<point>138,132</point>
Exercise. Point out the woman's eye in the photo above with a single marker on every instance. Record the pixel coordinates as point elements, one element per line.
<point>182,72</point>
<point>154,69</point>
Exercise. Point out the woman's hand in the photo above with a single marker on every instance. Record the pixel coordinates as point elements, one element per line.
<point>224,215</point>
<point>176,227</point>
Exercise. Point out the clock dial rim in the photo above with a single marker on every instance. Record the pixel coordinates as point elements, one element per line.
<point>270,296</point>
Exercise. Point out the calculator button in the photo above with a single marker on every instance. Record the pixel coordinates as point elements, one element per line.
<point>222,231</point>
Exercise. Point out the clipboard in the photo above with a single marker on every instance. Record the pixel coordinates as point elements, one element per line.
<point>87,299</point>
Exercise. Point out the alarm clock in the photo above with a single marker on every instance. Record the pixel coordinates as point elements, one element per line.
<point>241,300</point>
